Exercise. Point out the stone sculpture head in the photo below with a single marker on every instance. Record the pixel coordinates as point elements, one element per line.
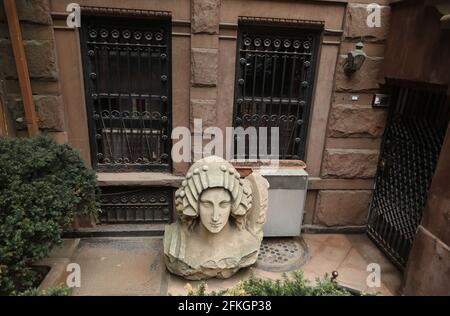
<point>212,191</point>
<point>215,209</point>
<point>220,221</point>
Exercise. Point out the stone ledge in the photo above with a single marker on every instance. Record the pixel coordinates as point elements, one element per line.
<point>353,143</point>
<point>57,274</point>
<point>319,229</point>
<point>315,183</point>
<point>66,250</point>
<point>57,261</point>
<point>139,179</point>
<point>117,230</point>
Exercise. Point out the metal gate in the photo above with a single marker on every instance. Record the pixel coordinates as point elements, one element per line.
<point>275,68</point>
<point>127,72</point>
<point>418,119</point>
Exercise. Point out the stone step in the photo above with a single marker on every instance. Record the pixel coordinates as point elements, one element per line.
<point>116,230</point>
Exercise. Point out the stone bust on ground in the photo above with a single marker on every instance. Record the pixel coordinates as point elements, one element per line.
<point>220,219</point>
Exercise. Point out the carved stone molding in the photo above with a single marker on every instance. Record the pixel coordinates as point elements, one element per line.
<point>122,12</point>
<point>280,22</point>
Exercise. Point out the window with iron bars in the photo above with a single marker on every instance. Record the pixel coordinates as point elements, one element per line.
<point>127,79</point>
<point>275,68</point>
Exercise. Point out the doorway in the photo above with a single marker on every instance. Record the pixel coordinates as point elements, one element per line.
<point>417,122</point>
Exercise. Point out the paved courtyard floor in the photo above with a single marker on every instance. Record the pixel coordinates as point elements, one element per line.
<point>134,265</point>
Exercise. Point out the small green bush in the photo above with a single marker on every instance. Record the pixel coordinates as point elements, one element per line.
<point>43,185</point>
<point>53,291</point>
<point>295,285</point>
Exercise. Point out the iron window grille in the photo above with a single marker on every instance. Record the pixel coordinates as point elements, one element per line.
<point>275,68</point>
<point>127,71</point>
<point>121,205</point>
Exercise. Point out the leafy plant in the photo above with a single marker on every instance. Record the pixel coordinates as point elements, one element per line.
<point>201,289</point>
<point>53,291</point>
<point>296,285</point>
<point>43,185</point>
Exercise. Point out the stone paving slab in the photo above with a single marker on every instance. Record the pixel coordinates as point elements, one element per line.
<point>121,266</point>
<point>134,266</point>
<point>352,267</point>
<point>327,252</point>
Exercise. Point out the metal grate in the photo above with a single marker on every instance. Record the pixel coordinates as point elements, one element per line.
<point>135,205</point>
<point>282,254</point>
<point>274,82</point>
<point>127,80</point>
<point>417,123</point>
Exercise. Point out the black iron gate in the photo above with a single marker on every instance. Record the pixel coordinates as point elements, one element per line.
<point>127,69</point>
<point>275,68</point>
<point>418,119</point>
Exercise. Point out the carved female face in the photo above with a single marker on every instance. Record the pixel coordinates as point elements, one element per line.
<point>215,208</point>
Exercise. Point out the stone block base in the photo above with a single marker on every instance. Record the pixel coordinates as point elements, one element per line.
<point>342,207</point>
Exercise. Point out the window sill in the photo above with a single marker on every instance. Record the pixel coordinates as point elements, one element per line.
<point>161,179</point>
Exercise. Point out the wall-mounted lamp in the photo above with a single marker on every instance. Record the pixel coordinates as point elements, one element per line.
<point>355,59</point>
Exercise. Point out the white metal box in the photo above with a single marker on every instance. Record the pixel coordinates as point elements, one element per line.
<point>287,196</point>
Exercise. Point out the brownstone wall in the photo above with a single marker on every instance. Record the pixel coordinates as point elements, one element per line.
<point>343,137</point>
<point>39,44</point>
<point>353,130</point>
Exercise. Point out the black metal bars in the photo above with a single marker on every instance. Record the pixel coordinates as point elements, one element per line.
<point>274,83</point>
<point>128,92</point>
<point>122,205</point>
<point>412,141</point>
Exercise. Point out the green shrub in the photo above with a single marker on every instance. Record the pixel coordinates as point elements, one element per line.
<point>53,291</point>
<point>295,285</point>
<point>43,185</point>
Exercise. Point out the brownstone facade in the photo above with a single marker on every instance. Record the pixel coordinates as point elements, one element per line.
<point>39,43</point>
<point>344,134</point>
